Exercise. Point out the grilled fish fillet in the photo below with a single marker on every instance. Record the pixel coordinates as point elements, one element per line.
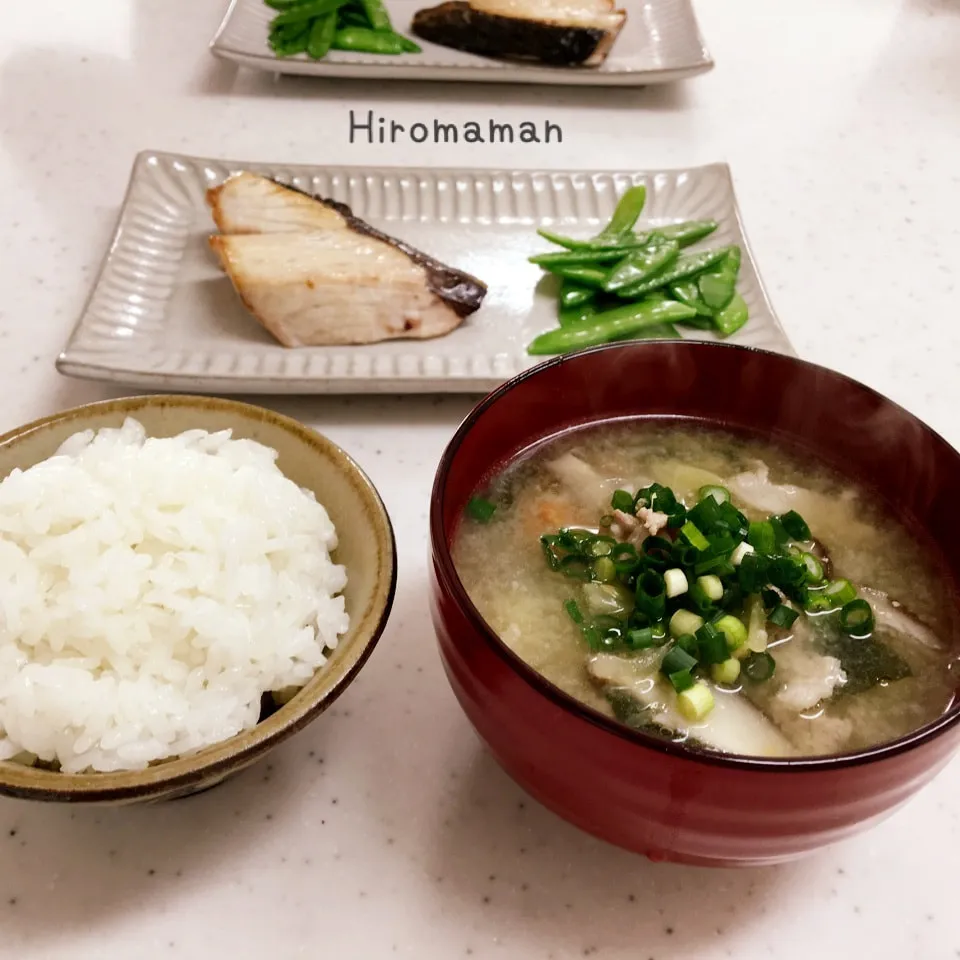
<point>556,32</point>
<point>314,274</point>
<point>248,203</point>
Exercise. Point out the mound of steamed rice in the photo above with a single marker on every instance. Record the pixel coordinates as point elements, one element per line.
<point>151,591</point>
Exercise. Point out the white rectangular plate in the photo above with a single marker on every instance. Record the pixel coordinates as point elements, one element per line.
<point>659,43</point>
<point>163,316</point>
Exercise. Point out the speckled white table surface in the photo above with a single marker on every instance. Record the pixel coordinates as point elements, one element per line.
<point>384,829</point>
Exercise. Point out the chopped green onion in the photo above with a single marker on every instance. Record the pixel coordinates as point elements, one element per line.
<point>759,666</point>
<point>573,610</point>
<point>691,533</point>
<point>676,582</point>
<point>549,543</point>
<point>856,619</point>
<point>712,586</point>
<point>782,616</point>
<point>622,500</point>
<point>753,573</point>
<point>593,637</point>
<point>819,602</point>
<point>681,680</point>
<point>651,595</point>
<point>761,537</point>
<point>657,552</point>
<point>769,597</point>
<point>604,570</point>
<point>689,644</point>
<point>684,621</point>
<point>840,591</point>
<point>481,509</point>
<point>722,544</point>
<point>779,531</point>
<point>727,672</point>
<point>756,630</point>
<point>795,525</point>
<point>684,555</point>
<point>677,659</point>
<point>720,494</point>
<point>720,566</point>
<point>699,600</point>
<point>741,550</point>
<point>646,637</point>
<point>696,701</point>
<point>733,629</point>
<point>624,557</point>
<point>600,547</point>
<point>814,567</point>
<point>732,597</point>
<point>711,644</point>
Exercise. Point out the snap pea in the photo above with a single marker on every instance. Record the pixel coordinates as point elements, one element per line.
<point>627,212</point>
<point>616,324</point>
<point>576,314</point>
<point>321,36</point>
<point>350,16</point>
<point>287,40</point>
<point>364,40</point>
<point>640,266</point>
<point>303,12</point>
<point>732,317</point>
<point>690,231</point>
<point>700,323</point>
<point>718,285</point>
<point>688,265</point>
<point>588,256</point>
<point>574,295</point>
<point>687,291</point>
<point>593,243</point>
<point>377,15</point>
<point>662,331</point>
<point>408,45</point>
<point>584,275</point>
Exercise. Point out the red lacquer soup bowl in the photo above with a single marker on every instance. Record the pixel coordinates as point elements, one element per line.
<point>622,785</point>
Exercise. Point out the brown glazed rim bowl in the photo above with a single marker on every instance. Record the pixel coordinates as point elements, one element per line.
<point>440,540</point>
<point>366,547</point>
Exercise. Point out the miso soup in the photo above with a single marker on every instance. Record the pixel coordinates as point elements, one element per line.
<point>713,590</point>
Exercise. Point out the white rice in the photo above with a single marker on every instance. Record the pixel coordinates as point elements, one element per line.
<point>151,591</point>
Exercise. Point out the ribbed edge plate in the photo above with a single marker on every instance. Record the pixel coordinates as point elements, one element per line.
<point>163,316</point>
<point>660,43</point>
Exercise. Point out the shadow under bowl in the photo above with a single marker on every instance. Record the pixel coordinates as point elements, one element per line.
<point>366,548</point>
<point>625,786</point>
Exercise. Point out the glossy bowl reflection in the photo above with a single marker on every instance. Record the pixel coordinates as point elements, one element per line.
<point>622,785</point>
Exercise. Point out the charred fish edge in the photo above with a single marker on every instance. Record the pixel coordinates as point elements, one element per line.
<point>456,24</point>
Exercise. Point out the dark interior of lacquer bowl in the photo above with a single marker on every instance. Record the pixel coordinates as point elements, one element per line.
<point>802,407</point>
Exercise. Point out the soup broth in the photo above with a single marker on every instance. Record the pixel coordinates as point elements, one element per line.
<point>841,639</point>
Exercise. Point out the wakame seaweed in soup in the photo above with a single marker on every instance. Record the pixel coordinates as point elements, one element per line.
<point>711,589</point>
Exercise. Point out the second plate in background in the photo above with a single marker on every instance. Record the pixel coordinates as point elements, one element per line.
<point>660,43</point>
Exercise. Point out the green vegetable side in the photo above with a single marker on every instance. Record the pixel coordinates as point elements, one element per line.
<point>623,285</point>
<point>315,27</point>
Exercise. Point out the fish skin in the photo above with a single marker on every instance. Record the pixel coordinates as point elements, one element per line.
<point>556,32</point>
